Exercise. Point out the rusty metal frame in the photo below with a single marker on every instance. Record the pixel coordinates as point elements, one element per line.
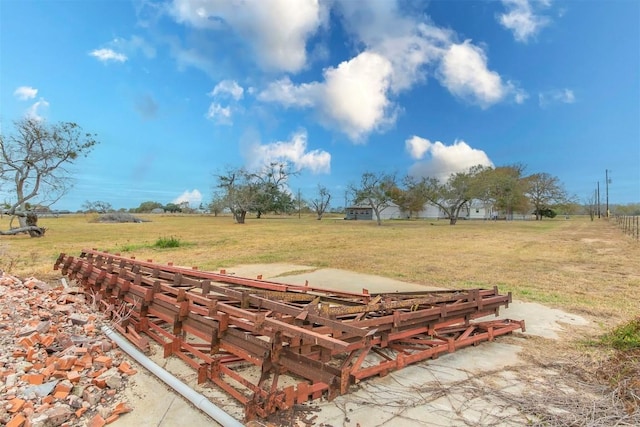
<point>322,340</point>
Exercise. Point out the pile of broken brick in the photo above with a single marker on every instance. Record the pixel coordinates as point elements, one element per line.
<point>56,367</point>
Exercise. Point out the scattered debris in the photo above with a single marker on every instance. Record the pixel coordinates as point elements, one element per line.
<point>56,367</point>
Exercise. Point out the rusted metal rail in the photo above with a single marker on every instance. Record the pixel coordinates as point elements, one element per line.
<point>302,341</point>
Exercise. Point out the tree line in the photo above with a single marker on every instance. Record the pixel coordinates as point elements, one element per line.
<point>34,162</point>
<point>504,188</point>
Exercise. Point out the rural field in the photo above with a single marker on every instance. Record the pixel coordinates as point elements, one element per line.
<point>588,268</point>
<point>590,376</point>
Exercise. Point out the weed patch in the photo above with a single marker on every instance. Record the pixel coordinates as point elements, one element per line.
<point>624,337</point>
<point>167,242</point>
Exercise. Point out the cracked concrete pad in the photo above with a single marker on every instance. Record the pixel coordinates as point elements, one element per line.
<point>540,320</point>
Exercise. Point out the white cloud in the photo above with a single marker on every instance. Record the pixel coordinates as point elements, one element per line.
<point>417,147</point>
<point>24,93</point>
<point>286,93</point>
<point>219,114</point>
<point>463,71</point>
<point>397,52</point>
<point>276,30</point>
<point>106,55</point>
<point>408,44</point>
<point>443,159</point>
<point>294,152</point>
<point>557,96</point>
<point>353,96</point>
<point>228,88</point>
<point>193,197</point>
<point>35,110</point>
<point>131,46</point>
<point>521,18</point>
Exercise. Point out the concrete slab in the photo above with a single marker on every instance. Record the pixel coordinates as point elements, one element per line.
<point>455,389</point>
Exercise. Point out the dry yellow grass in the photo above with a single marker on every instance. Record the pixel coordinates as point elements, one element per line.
<point>582,266</point>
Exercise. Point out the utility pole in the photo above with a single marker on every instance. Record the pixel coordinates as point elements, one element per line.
<point>608,181</point>
<point>299,203</point>
<point>598,192</point>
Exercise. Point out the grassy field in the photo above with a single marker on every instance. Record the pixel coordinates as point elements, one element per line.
<point>585,267</point>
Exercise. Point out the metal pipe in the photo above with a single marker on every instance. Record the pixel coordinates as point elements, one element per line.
<point>200,401</point>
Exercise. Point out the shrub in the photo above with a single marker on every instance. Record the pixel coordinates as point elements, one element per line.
<point>624,337</point>
<point>167,242</point>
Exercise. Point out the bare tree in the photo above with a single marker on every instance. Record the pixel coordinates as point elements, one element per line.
<point>321,203</point>
<point>544,191</point>
<point>375,190</point>
<point>239,192</point>
<point>97,206</point>
<point>33,163</point>
<point>218,203</point>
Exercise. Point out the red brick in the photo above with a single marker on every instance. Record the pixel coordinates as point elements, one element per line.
<point>49,370</point>
<point>43,407</point>
<point>60,395</point>
<point>111,418</point>
<point>73,376</point>
<point>86,361</point>
<point>121,408</point>
<point>47,340</point>
<point>96,421</point>
<point>65,363</point>
<point>61,391</point>
<point>99,382</point>
<point>19,353</point>
<point>59,374</point>
<point>97,373</point>
<point>33,379</point>
<point>17,421</point>
<point>124,367</point>
<point>16,405</point>
<point>103,361</point>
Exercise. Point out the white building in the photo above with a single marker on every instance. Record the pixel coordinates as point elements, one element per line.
<point>476,209</point>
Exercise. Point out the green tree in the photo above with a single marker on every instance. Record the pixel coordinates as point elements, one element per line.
<point>33,166</point>
<point>172,208</point>
<point>375,190</point>
<point>544,192</point>
<point>259,191</point>
<point>503,188</point>
<point>148,206</point>
<point>412,198</point>
<point>453,195</point>
<point>273,196</point>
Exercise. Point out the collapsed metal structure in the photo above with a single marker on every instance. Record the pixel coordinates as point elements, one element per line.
<point>306,341</point>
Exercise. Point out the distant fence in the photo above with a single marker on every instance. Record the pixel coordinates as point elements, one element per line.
<point>630,225</point>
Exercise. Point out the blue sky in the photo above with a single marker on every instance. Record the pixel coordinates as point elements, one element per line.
<point>180,90</point>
